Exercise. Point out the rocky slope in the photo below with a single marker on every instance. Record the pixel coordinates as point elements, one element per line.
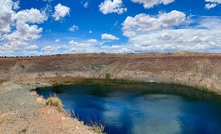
<point>198,70</point>
<point>24,112</point>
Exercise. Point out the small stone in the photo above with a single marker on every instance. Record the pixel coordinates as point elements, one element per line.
<point>33,93</point>
<point>39,100</point>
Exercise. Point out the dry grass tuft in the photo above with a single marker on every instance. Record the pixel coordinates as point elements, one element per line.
<point>56,102</point>
<point>98,128</point>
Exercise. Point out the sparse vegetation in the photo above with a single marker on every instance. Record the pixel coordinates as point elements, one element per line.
<point>56,102</point>
<point>70,113</point>
<point>90,81</point>
<point>98,128</point>
<point>107,76</point>
<point>22,66</point>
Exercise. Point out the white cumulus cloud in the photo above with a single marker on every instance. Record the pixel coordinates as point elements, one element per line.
<point>19,28</point>
<point>212,3</point>
<point>31,47</point>
<point>144,23</point>
<point>29,16</point>
<point>151,3</point>
<point>92,41</point>
<point>16,5</point>
<point>112,6</point>
<point>5,15</point>
<point>73,28</point>
<point>60,11</point>
<point>158,33</point>
<point>209,6</point>
<point>86,4</point>
<point>106,36</point>
<point>57,40</point>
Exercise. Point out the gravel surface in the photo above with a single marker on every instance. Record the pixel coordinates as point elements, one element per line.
<point>23,111</point>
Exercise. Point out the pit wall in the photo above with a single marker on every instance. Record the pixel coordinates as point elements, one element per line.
<point>202,72</point>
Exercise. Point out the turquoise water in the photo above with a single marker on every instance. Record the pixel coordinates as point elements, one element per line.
<point>142,108</point>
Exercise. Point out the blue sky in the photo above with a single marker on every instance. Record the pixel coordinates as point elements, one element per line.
<point>37,27</point>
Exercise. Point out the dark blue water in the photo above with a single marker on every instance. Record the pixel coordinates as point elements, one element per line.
<point>142,108</point>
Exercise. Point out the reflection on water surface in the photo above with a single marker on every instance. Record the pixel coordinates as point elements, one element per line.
<point>142,108</point>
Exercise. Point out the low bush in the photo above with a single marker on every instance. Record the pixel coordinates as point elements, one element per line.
<point>56,102</point>
<point>22,66</point>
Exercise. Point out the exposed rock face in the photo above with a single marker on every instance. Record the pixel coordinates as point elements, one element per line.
<point>202,71</point>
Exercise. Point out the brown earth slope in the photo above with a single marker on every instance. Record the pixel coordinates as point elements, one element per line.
<point>22,111</point>
<point>198,70</point>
